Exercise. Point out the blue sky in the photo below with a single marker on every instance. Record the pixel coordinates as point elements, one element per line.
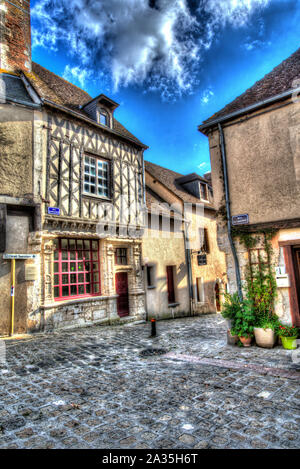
<point>169,63</point>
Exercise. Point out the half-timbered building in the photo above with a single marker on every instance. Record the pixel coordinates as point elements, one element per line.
<point>71,197</point>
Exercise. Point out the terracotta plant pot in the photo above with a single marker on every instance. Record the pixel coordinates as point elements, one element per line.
<point>246,341</point>
<point>231,339</point>
<point>265,338</point>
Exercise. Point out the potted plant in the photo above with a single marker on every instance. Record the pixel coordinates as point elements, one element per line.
<point>244,323</point>
<point>265,331</point>
<point>229,311</point>
<point>288,335</point>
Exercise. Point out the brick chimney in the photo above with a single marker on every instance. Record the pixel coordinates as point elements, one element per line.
<point>15,35</point>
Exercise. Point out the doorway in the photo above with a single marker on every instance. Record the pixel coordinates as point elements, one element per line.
<point>122,291</point>
<point>217,297</point>
<point>296,259</point>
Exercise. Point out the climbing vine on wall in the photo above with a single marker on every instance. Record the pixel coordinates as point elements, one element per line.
<point>260,276</point>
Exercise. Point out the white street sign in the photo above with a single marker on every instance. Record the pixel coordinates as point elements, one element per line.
<point>19,256</point>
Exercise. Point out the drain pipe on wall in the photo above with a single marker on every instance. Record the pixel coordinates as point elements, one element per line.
<point>188,260</point>
<point>228,211</point>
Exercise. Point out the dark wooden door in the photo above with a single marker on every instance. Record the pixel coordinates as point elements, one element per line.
<point>122,291</point>
<point>297,281</point>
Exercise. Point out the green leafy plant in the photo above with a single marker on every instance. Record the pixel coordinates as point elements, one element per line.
<point>245,320</point>
<point>261,288</point>
<point>231,306</point>
<point>288,331</point>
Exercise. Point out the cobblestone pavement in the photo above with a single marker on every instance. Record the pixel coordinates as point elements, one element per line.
<point>97,388</point>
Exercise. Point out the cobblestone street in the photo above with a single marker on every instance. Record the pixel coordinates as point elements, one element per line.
<point>100,387</point>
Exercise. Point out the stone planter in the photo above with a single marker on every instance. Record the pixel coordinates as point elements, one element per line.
<point>265,338</point>
<point>246,341</point>
<point>231,339</point>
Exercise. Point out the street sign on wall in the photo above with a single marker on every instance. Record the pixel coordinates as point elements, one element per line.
<point>19,256</point>
<point>53,211</point>
<point>240,219</point>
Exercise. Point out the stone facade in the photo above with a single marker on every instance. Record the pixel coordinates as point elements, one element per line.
<point>48,171</point>
<point>262,154</point>
<point>195,291</point>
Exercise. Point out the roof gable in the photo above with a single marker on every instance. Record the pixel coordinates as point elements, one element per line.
<point>169,179</point>
<point>51,87</point>
<point>278,81</point>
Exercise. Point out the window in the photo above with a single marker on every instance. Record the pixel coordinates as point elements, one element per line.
<point>96,176</point>
<point>199,290</point>
<point>76,268</point>
<point>170,284</point>
<point>202,259</point>
<point>103,117</point>
<point>203,192</point>
<point>121,256</point>
<point>150,276</point>
<point>204,243</point>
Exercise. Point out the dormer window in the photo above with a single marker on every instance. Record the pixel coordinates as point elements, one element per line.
<point>203,192</point>
<point>103,117</point>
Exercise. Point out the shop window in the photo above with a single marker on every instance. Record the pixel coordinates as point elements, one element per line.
<point>121,256</point>
<point>76,268</point>
<point>96,176</point>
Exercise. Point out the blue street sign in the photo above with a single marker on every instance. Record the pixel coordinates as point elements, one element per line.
<point>53,211</point>
<point>240,219</point>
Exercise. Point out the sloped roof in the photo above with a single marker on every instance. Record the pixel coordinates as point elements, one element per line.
<point>155,203</point>
<point>169,179</point>
<point>12,88</point>
<point>50,86</point>
<point>279,80</point>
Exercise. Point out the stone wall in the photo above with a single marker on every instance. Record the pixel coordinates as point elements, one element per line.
<point>263,158</point>
<point>16,163</point>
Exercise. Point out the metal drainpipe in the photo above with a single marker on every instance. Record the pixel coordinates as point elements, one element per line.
<point>227,199</point>
<point>188,261</point>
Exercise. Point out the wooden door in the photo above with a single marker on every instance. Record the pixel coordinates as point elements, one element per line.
<point>122,291</point>
<point>297,281</point>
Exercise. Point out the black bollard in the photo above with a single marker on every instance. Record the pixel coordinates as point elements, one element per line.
<point>153,327</point>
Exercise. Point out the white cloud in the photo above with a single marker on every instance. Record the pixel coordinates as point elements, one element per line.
<point>157,44</point>
<point>77,75</point>
<point>206,96</point>
<point>202,165</point>
<point>235,12</point>
<point>256,44</point>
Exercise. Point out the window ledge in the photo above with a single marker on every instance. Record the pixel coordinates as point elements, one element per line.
<point>59,303</point>
<point>97,197</point>
<point>173,305</point>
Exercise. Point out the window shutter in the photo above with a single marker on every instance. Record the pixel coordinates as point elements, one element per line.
<point>206,243</point>
<point>170,282</point>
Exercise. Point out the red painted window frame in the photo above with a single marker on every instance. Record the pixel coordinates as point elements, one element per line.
<point>93,257</point>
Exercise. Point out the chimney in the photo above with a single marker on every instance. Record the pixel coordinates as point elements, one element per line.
<point>15,36</point>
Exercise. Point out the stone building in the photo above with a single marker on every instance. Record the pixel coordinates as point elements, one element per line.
<point>184,270</point>
<point>71,195</point>
<point>256,138</point>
